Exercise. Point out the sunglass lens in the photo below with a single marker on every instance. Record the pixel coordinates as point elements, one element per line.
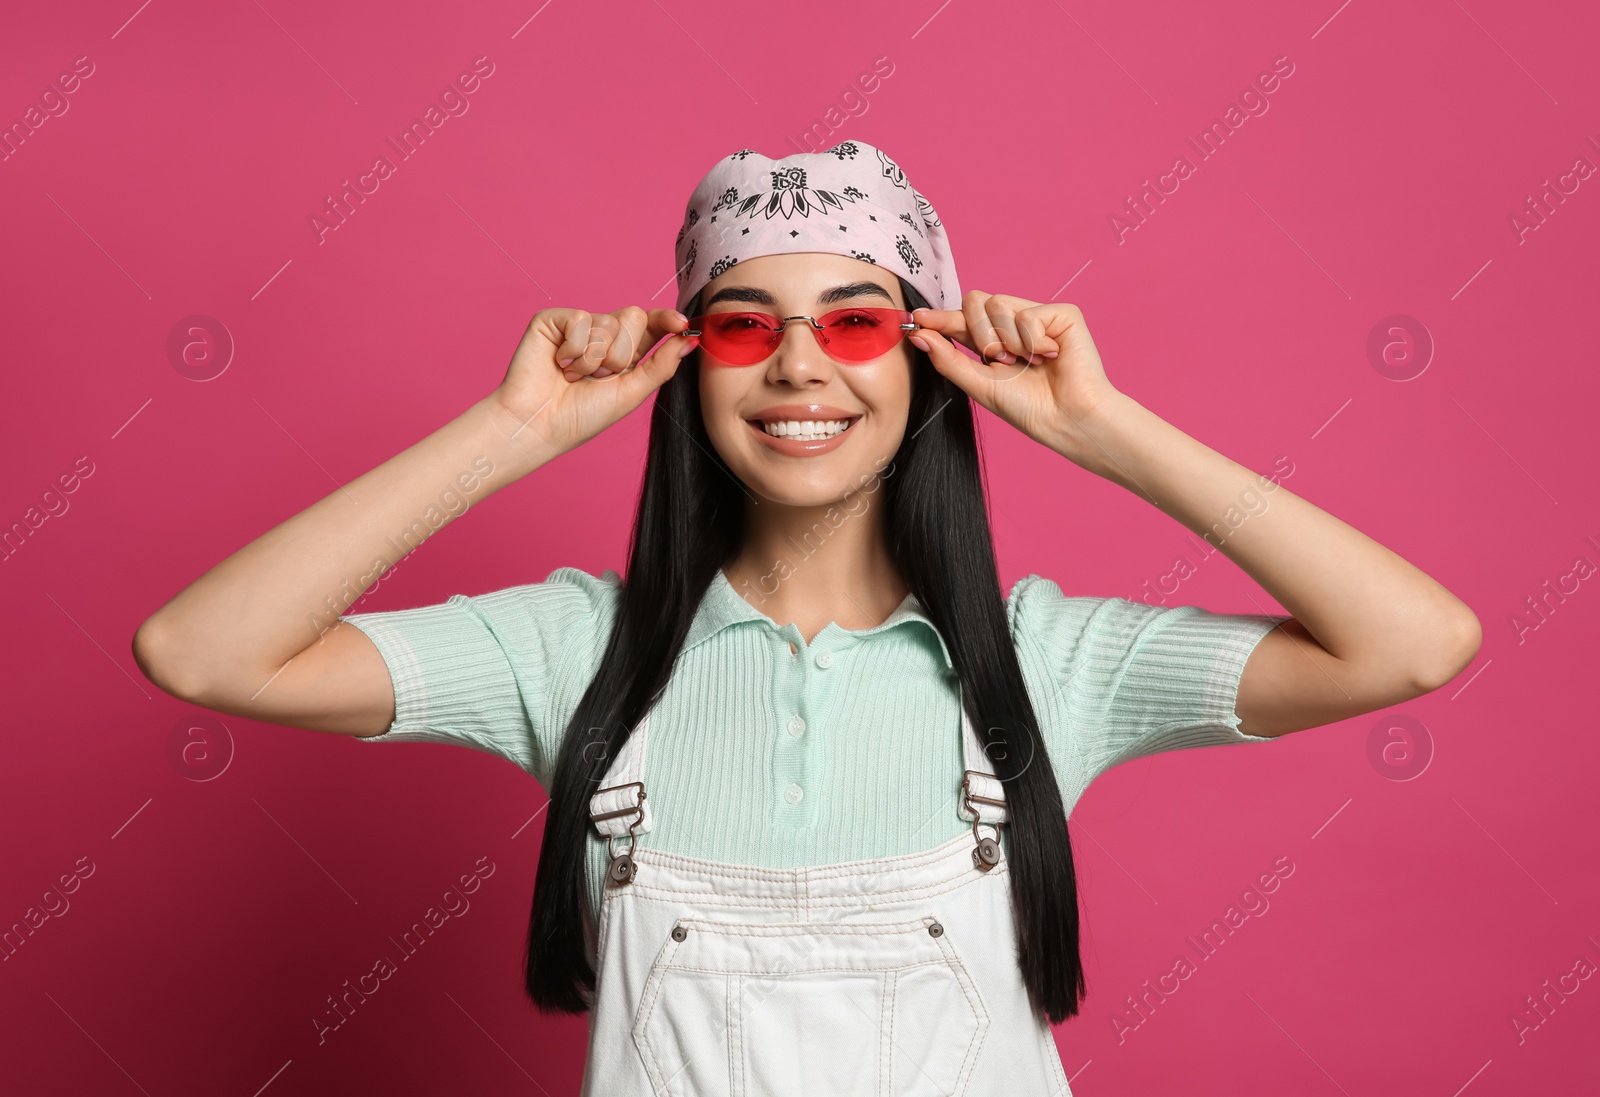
<point>860,335</point>
<point>848,335</point>
<point>738,338</point>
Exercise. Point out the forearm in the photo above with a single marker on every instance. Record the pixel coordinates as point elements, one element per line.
<point>1361,602</point>
<point>250,614</point>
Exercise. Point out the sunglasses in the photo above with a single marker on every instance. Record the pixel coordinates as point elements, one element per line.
<point>851,336</point>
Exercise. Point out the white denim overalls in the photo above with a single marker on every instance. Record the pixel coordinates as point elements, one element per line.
<point>891,976</point>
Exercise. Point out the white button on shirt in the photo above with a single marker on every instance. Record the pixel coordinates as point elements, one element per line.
<point>824,659</point>
<point>797,725</point>
<point>793,794</point>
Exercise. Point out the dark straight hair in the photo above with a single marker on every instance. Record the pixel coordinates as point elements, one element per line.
<point>689,523</point>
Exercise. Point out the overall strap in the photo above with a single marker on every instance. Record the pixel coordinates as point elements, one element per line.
<point>979,784</point>
<point>982,797</point>
<point>619,807</point>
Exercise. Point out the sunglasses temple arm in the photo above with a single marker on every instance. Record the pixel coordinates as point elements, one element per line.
<point>696,331</point>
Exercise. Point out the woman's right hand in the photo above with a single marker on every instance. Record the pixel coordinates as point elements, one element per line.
<point>575,373</point>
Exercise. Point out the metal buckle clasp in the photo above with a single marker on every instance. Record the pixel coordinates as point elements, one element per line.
<point>623,867</point>
<point>987,852</point>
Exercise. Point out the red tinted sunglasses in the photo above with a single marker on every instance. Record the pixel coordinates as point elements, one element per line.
<point>851,335</point>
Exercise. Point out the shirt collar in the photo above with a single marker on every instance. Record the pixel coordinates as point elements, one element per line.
<point>723,606</point>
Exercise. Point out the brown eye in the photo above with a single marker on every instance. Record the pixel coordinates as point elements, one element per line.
<point>855,320</point>
<point>740,322</point>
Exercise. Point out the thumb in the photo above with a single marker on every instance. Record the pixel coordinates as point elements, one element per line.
<point>974,379</point>
<point>656,368</point>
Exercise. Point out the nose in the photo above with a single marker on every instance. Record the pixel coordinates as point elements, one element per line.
<point>799,357</point>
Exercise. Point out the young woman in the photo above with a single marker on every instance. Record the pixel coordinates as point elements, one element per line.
<point>809,768</point>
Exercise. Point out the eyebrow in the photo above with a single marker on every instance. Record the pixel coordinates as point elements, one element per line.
<point>754,295</point>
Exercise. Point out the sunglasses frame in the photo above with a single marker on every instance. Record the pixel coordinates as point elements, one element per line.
<point>817,328</point>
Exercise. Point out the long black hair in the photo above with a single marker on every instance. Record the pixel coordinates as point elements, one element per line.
<point>690,522</point>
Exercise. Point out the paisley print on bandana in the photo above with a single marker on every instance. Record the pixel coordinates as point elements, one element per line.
<point>789,196</point>
<point>908,254</point>
<point>852,199</point>
<point>892,172</point>
<point>688,263</point>
<point>694,215</point>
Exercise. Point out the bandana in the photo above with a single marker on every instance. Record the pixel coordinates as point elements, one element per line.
<point>849,200</point>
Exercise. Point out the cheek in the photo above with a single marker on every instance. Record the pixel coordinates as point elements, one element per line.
<point>888,390</point>
<point>721,392</point>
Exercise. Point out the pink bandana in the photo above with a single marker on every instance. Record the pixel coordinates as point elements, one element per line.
<point>848,200</point>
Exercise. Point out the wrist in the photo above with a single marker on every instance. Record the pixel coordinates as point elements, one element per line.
<point>1090,437</point>
<point>516,446</point>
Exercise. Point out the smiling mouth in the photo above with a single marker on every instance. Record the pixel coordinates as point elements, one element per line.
<point>804,430</point>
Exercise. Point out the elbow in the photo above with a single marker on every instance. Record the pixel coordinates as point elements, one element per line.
<point>155,653</point>
<point>1460,642</point>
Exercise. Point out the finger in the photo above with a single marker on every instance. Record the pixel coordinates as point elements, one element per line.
<point>1020,326</point>
<point>659,323</point>
<point>972,377</point>
<point>1035,334</point>
<point>1029,318</point>
<point>603,329</point>
<point>1003,316</point>
<point>574,338</point>
<point>624,347</point>
<point>1023,325</point>
<point>951,323</point>
<point>639,334</point>
<point>655,369</point>
<point>980,327</point>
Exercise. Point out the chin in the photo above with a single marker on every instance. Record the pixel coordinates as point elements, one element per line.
<point>818,481</point>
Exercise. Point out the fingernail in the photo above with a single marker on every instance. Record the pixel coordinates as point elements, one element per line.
<point>1051,353</point>
<point>920,342</point>
<point>564,362</point>
<point>681,316</point>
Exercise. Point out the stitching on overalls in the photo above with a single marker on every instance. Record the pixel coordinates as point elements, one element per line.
<point>870,865</point>
<point>891,991</point>
<point>803,879</point>
<point>731,1003</point>
<point>798,876</point>
<point>980,1011</point>
<point>968,876</point>
<point>836,969</point>
<point>795,929</point>
<point>804,892</point>
<point>652,993</point>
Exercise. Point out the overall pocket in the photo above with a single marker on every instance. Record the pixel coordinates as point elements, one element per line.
<point>762,1010</point>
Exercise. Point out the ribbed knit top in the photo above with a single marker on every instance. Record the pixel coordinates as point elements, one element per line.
<point>845,748</point>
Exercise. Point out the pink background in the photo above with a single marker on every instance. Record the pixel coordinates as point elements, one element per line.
<point>223,909</point>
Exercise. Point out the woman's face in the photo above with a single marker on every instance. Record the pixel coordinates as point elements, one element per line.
<point>800,383</point>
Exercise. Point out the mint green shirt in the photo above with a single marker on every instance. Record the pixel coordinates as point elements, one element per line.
<point>876,750</point>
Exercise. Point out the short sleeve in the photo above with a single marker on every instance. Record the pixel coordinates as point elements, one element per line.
<point>501,672</point>
<point>1112,679</point>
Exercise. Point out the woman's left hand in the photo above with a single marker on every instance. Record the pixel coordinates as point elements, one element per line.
<point>1041,372</point>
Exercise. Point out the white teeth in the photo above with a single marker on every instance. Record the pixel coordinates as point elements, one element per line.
<point>805,429</point>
